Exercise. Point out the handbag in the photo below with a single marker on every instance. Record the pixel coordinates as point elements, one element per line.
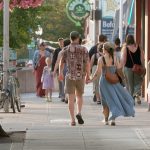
<point>112,78</point>
<point>138,69</point>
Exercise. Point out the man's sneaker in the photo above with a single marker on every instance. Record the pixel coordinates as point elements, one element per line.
<point>113,123</point>
<point>63,100</point>
<point>79,118</point>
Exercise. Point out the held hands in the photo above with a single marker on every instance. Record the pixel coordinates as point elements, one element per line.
<point>61,77</point>
<point>54,74</point>
<point>88,80</point>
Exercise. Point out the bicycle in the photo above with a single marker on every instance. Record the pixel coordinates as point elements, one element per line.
<point>4,95</point>
<point>10,96</point>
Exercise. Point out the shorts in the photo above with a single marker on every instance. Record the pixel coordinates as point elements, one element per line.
<point>74,86</point>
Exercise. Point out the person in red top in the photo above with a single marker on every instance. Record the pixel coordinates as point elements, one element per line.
<point>38,65</point>
<point>76,58</point>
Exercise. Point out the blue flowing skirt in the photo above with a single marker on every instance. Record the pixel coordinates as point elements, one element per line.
<point>116,97</point>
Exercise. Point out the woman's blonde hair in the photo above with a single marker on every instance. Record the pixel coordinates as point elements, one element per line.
<point>109,47</point>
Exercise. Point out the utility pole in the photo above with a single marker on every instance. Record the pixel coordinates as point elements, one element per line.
<point>5,40</point>
<point>121,22</point>
<point>5,50</point>
<point>96,23</point>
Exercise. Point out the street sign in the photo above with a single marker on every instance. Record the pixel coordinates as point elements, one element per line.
<point>78,10</point>
<point>32,45</point>
<point>108,13</point>
<point>107,27</point>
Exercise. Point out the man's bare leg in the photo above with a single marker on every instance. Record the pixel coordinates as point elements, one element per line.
<point>71,106</point>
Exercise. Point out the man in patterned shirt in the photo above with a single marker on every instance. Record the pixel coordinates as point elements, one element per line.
<point>76,58</point>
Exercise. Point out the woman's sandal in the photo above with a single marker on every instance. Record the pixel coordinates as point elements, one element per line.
<point>73,123</point>
<point>98,102</point>
<point>113,123</point>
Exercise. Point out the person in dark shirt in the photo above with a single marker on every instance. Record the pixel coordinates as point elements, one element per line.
<point>56,52</point>
<point>132,54</point>
<point>117,48</point>
<point>94,50</point>
<point>54,60</point>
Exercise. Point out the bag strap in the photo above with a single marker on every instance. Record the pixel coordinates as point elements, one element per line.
<point>104,61</point>
<point>130,56</point>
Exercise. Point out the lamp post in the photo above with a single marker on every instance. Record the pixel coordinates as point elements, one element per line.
<point>5,40</point>
<point>39,32</point>
<point>5,50</point>
<point>97,23</point>
<point>121,22</point>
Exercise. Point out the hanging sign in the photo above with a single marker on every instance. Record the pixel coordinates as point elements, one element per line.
<point>78,10</point>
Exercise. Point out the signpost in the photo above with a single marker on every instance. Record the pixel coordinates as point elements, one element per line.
<point>78,10</point>
<point>5,40</point>
<point>108,14</point>
<point>121,22</point>
<point>107,27</point>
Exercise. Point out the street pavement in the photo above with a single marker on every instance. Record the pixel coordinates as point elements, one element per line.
<point>47,127</point>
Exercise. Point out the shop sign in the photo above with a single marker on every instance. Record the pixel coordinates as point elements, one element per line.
<point>78,10</point>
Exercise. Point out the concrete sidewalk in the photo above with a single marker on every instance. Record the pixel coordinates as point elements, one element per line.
<point>47,127</point>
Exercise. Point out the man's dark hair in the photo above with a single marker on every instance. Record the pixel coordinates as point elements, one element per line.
<point>42,44</point>
<point>102,38</point>
<point>66,42</point>
<point>130,40</point>
<point>74,35</point>
<point>117,41</point>
<point>60,39</point>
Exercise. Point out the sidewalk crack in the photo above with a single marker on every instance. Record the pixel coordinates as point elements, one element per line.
<point>140,134</point>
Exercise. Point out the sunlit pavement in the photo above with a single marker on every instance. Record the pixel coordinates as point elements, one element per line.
<point>47,127</point>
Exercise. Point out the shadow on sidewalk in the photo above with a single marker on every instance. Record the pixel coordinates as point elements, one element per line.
<point>14,141</point>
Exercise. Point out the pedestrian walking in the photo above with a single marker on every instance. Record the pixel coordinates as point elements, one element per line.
<point>38,65</point>
<point>102,39</point>
<point>94,50</point>
<point>117,48</point>
<point>134,70</point>
<point>48,80</point>
<point>76,59</point>
<point>93,64</point>
<point>116,100</point>
<point>56,68</point>
<point>54,63</point>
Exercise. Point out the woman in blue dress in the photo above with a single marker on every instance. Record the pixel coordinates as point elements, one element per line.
<point>116,100</point>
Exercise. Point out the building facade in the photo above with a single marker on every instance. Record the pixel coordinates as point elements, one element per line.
<point>142,34</point>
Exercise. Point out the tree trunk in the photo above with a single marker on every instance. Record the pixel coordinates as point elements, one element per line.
<point>3,133</point>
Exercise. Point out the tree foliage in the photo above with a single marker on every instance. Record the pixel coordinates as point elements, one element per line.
<point>51,16</point>
<point>55,23</point>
